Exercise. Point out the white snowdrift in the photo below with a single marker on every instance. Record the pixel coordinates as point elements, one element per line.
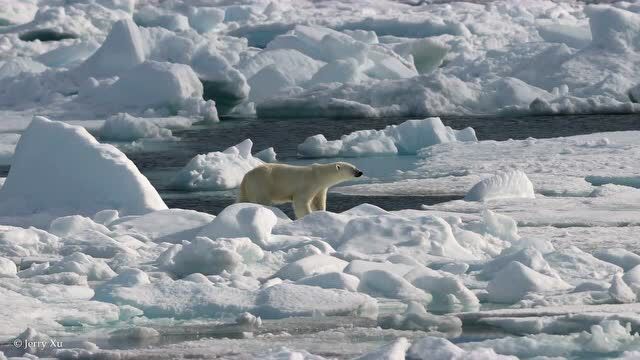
<point>122,50</point>
<point>422,238</point>
<point>124,127</point>
<point>158,86</point>
<point>242,220</point>
<point>406,138</point>
<point>515,280</point>
<point>62,169</point>
<point>208,257</point>
<point>217,170</point>
<point>513,184</point>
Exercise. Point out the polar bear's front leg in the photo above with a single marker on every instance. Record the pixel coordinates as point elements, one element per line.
<point>301,206</point>
<point>319,201</point>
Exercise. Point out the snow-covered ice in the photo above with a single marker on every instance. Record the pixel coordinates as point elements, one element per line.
<point>514,184</point>
<point>219,170</point>
<point>389,58</point>
<point>406,138</point>
<point>124,127</point>
<point>555,166</point>
<point>61,169</point>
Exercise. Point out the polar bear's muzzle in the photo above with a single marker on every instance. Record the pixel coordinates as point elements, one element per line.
<point>358,173</point>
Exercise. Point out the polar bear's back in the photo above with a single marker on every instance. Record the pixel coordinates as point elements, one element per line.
<point>273,183</point>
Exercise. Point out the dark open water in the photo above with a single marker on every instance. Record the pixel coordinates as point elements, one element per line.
<point>285,135</point>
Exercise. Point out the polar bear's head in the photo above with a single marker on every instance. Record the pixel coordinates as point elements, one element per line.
<point>334,173</point>
<point>347,171</point>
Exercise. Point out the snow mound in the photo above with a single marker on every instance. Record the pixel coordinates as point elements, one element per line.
<point>416,317</point>
<point>614,29</point>
<point>13,67</point>
<point>618,256</point>
<point>406,138</point>
<point>311,265</point>
<point>74,224</point>
<point>515,280</point>
<point>221,81</point>
<point>248,320</point>
<point>620,291</point>
<point>267,155</point>
<point>7,268</point>
<point>124,127</point>
<point>285,300</point>
<point>82,264</point>
<point>632,279</point>
<point>448,291</point>
<point>218,170</point>
<point>163,87</point>
<point>182,299</point>
<point>530,257</point>
<point>504,185</point>
<point>393,351</point>
<point>421,238</point>
<point>384,283</point>
<point>242,220</point>
<point>204,19</point>
<point>436,348</point>
<point>20,242</point>
<point>322,224</point>
<point>332,280</point>
<point>359,267</point>
<point>205,256</point>
<point>62,169</point>
<point>171,225</point>
<point>573,264</point>
<point>122,49</point>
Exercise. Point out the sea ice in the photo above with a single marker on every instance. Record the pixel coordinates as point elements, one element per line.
<point>124,127</point>
<point>81,176</point>
<point>514,184</point>
<point>218,170</point>
<point>242,220</point>
<point>406,138</point>
<point>515,280</point>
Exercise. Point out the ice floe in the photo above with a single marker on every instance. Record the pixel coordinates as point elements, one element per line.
<point>46,180</point>
<point>218,170</point>
<point>405,138</point>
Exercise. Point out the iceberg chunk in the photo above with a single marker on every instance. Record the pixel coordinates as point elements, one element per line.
<point>59,168</point>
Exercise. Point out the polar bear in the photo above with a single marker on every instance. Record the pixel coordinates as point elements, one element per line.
<point>304,186</point>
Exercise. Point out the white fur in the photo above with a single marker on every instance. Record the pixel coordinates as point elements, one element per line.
<point>304,186</point>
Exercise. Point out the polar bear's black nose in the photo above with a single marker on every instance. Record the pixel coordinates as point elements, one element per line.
<point>358,173</point>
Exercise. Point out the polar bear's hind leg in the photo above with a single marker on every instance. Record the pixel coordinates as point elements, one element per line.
<point>242,195</point>
<point>301,206</point>
<point>248,194</point>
